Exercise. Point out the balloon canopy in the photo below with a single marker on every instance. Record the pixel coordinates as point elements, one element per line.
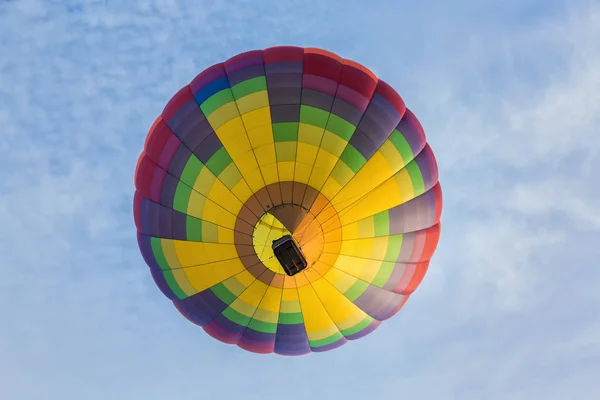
<point>287,141</point>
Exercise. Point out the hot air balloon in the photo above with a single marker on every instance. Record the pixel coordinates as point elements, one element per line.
<point>287,201</point>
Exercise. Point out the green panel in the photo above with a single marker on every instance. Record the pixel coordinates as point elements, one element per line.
<point>210,232</point>
<point>218,161</point>
<point>285,132</point>
<point>340,127</point>
<point>356,290</point>
<point>182,197</point>
<point>313,116</point>
<point>400,143</point>
<point>394,247</point>
<point>385,270</point>
<point>236,317</point>
<point>342,173</point>
<point>156,244</point>
<point>382,223</point>
<point>291,318</point>
<point>325,341</point>
<point>262,326</point>
<point>352,158</point>
<point>216,100</point>
<point>191,171</point>
<point>221,291</point>
<point>193,229</point>
<point>249,86</point>
<point>358,327</point>
<point>416,177</point>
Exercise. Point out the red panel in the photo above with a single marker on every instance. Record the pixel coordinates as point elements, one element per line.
<point>208,75</point>
<point>432,237</point>
<point>156,122</point>
<point>158,138</point>
<point>358,80</point>
<point>242,56</point>
<point>437,193</point>
<point>385,90</point>
<point>144,177</point>
<point>283,53</point>
<point>322,65</point>
<point>417,278</point>
<point>180,98</point>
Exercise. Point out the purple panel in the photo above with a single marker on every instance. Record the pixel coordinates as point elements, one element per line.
<point>232,330</point>
<point>146,251</point>
<point>188,110</point>
<point>149,211</point>
<point>346,111</point>
<point>179,161</point>
<point>426,162</point>
<point>245,62</point>
<point>255,335</point>
<point>408,243</point>
<point>283,96</point>
<point>158,179</point>
<point>196,130</point>
<point>166,156</point>
<point>319,84</point>
<point>168,191</point>
<point>368,329</point>
<point>378,303</point>
<point>317,99</point>
<point>164,223</point>
<point>207,148</point>
<point>373,128</point>
<point>245,74</point>
<point>340,342</point>
<point>284,67</point>
<point>285,113</point>
<point>363,144</point>
<point>256,345</point>
<point>410,128</point>
<point>291,340</point>
<point>277,81</point>
<point>396,275</point>
<point>353,97</point>
<point>383,112</point>
<point>179,225</point>
<point>202,307</point>
<point>416,214</point>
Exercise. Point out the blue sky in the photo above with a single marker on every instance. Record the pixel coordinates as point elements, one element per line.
<point>508,93</point>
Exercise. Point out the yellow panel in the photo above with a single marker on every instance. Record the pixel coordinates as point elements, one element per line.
<point>270,173</point>
<point>242,191</point>
<point>330,189</point>
<point>223,114</point>
<point>235,286</point>
<point>382,198</point>
<point>405,186</point>
<point>272,300</point>
<point>225,235</point>
<point>337,305</point>
<point>358,248</point>
<point>310,134</point>
<point>253,294</point>
<point>316,320</point>
<point>206,276</point>
<point>197,253</point>
<point>360,268</point>
<point>257,118</point>
<point>196,204</point>
<point>214,213</point>
<point>265,154</point>
<point>168,248</point>
<point>334,142</point>
<point>317,177</point>
<point>353,320</point>
<point>286,170</point>
<point>183,282</point>
<point>245,278</point>
<point>204,181</point>
<point>260,136</point>
<point>306,153</point>
<point>350,231</point>
<point>392,156</point>
<point>251,172</point>
<point>290,306</point>
<point>234,138</point>
<point>253,101</point>
<point>242,307</point>
<point>267,316</point>
<point>341,280</point>
<point>220,194</point>
<point>302,172</point>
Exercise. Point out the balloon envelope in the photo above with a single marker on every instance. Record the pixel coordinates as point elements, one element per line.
<point>287,141</point>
